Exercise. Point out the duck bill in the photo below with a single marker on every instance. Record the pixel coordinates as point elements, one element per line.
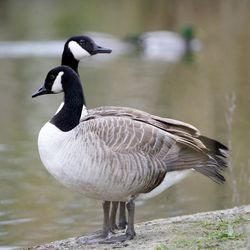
<point>100,50</point>
<point>41,91</point>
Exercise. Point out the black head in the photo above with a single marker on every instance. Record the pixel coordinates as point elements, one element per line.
<point>83,46</point>
<point>56,81</point>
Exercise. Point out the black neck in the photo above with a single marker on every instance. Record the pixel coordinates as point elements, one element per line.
<point>69,60</point>
<point>69,116</point>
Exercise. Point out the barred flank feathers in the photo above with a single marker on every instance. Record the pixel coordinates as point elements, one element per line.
<point>183,148</point>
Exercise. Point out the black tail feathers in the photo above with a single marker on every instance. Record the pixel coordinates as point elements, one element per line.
<point>217,162</point>
<point>210,161</point>
<point>214,146</point>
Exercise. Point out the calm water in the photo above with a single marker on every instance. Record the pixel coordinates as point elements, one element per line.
<point>211,92</point>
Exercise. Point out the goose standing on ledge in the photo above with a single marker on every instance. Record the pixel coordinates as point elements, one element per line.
<point>76,49</point>
<point>118,156</point>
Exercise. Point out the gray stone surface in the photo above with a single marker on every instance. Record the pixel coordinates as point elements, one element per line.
<point>224,229</point>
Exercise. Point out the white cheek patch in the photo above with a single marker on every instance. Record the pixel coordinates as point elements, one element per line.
<point>78,52</point>
<point>57,85</point>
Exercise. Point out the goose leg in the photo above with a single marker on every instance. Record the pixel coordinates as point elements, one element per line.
<point>130,232</point>
<point>106,224</point>
<point>122,216</point>
<point>99,237</point>
<point>105,236</point>
<point>113,226</point>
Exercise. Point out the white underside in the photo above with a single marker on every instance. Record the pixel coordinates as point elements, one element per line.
<point>70,161</point>
<point>170,179</point>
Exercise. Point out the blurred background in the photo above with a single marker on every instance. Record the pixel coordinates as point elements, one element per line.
<point>208,88</point>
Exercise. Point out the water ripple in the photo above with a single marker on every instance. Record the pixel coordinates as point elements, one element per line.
<point>16,221</point>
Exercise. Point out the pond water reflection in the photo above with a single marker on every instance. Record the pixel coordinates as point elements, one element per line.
<point>34,208</point>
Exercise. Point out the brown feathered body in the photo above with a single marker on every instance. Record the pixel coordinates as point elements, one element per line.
<point>118,153</point>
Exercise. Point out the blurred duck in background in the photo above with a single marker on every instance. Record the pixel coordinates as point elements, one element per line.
<point>167,46</point>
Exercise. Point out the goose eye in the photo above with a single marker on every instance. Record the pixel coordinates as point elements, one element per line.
<point>81,42</point>
<point>51,77</point>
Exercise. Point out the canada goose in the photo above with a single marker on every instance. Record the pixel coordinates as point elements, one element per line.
<point>77,48</point>
<point>116,155</point>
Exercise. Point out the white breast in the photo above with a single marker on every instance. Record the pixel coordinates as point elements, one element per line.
<point>76,162</point>
<point>50,144</point>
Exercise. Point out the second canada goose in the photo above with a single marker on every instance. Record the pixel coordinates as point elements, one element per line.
<point>76,49</point>
<point>116,155</point>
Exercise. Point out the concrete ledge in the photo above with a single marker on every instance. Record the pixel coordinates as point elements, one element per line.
<point>224,229</point>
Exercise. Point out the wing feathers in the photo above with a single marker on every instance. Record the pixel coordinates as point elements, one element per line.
<point>154,146</point>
